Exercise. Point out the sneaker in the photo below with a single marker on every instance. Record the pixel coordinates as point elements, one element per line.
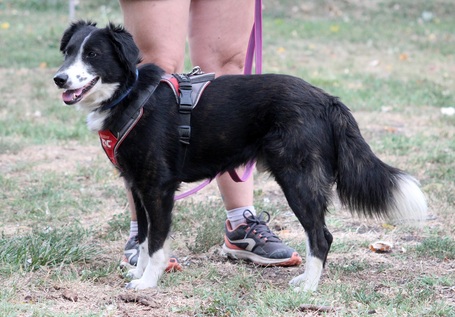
<point>254,241</point>
<point>131,255</point>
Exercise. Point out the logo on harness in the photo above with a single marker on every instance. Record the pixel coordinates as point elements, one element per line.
<point>108,142</point>
<point>111,143</point>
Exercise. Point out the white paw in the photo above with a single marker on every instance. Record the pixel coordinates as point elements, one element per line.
<point>309,285</point>
<point>139,284</point>
<point>309,279</point>
<point>134,273</point>
<point>298,280</point>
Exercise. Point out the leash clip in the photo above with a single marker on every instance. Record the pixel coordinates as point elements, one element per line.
<point>196,71</point>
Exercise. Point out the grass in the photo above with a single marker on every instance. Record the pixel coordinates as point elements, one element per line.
<point>64,216</point>
<point>440,247</point>
<point>46,247</point>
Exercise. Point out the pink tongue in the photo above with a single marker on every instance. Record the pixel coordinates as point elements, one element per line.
<point>68,94</point>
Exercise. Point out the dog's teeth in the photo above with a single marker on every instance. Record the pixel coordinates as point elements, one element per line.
<point>75,96</point>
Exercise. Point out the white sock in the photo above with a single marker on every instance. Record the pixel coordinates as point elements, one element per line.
<point>133,229</point>
<point>236,217</point>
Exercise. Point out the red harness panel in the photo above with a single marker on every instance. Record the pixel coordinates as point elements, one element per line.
<point>111,143</point>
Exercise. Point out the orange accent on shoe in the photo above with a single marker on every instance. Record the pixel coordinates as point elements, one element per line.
<point>230,245</point>
<point>295,260</point>
<point>173,266</point>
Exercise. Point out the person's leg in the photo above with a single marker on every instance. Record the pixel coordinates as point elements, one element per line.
<point>159,29</point>
<point>131,252</point>
<point>218,36</point>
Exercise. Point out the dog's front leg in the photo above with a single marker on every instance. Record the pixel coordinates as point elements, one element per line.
<point>155,266</point>
<point>156,206</point>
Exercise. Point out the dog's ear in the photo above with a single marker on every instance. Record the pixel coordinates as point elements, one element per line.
<point>127,51</point>
<point>73,28</point>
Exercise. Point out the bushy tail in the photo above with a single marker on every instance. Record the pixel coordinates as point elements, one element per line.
<point>367,185</point>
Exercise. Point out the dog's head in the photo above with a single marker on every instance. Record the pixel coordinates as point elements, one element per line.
<point>99,64</point>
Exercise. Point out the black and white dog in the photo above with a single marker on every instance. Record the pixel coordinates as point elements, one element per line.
<point>307,139</point>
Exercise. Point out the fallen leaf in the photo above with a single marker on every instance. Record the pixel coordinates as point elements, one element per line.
<point>381,247</point>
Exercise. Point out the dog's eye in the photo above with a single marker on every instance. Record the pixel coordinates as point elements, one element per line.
<point>92,54</point>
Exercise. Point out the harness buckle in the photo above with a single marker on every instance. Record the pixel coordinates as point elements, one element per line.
<point>186,103</point>
<point>185,134</point>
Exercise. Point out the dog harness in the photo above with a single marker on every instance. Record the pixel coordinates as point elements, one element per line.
<point>187,89</point>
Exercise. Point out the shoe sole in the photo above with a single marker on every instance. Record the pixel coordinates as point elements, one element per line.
<point>294,260</point>
<point>172,266</point>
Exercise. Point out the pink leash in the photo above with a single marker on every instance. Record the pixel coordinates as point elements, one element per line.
<point>254,52</point>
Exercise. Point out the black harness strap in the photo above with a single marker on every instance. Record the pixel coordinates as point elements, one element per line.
<point>190,87</point>
<point>130,114</point>
<point>185,107</point>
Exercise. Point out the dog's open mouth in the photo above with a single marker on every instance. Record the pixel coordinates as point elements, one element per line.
<point>72,96</point>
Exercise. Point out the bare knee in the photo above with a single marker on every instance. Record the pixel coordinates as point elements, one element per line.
<point>232,64</point>
<point>169,65</point>
<point>221,62</point>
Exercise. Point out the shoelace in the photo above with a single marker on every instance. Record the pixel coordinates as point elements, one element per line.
<point>259,224</point>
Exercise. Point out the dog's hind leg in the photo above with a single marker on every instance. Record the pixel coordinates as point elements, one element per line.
<point>314,263</point>
<point>308,195</point>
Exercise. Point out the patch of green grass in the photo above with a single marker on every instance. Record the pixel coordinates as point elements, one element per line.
<point>38,310</point>
<point>99,272</point>
<point>39,42</point>
<point>202,225</point>
<point>45,247</point>
<point>40,128</point>
<point>350,267</point>
<point>119,226</point>
<point>42,38</point>
<point>43,118</point>
<point>339,246</point>
<point>10,147</point>
<point>274,302</point>
<point>431,153</point>
<point>373,94</point>
<point>439,247</point>
<point>245,293</point>
<point>46,198</point>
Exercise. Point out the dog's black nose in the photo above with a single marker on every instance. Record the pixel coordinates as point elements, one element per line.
<point>60,79</point>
